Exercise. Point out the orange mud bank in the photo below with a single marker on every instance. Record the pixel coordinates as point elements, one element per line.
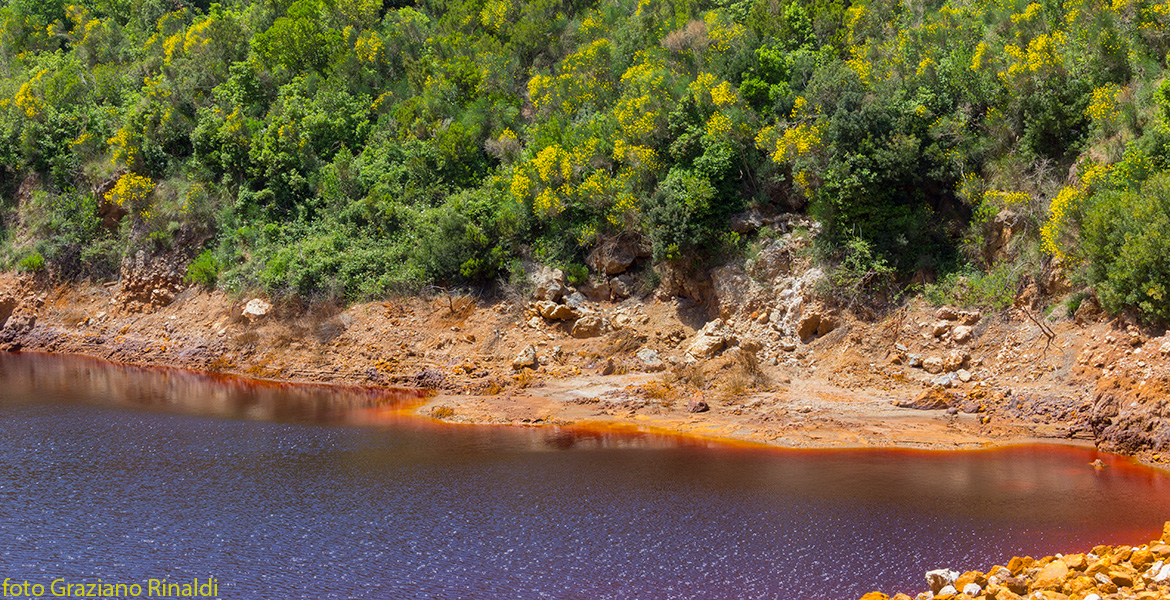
<point>918,377</point>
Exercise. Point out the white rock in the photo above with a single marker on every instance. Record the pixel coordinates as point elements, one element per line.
<point>964,375</point>
<point>947,590</point>
<point>939,579</point>
<point>256,308</point>
<point>1092,596</point>
<point>525,359</point>
<point>1163,574</point>
<point>972,589</point>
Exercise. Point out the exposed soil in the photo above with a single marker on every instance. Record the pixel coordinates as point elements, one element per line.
<point>858,383</point>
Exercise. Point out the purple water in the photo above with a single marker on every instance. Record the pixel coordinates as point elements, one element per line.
<point>285,492</point>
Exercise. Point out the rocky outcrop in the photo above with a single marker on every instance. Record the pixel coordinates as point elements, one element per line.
<point>1141,572</point>
<point>550,284</point>
<point>526,359</point>
<point>151,281</point>
<point>555,312</point>
<point>613,256</point>
<point>710,340</point>
<point>256,308</point>
<point>588,326</point>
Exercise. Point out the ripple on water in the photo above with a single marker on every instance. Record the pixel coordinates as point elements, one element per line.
<point>123,474</point>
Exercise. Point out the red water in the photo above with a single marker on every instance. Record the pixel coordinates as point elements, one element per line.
<point>286,491</point>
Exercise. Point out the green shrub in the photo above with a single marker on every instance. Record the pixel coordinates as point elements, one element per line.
<point>204,269</point>
<point>1125,242</point>
<point>32,263</point>
<point>994,289</point>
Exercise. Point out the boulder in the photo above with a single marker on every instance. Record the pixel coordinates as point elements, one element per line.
<point>939,328</point>
<point>1052,575</point>
<point>596,291</point>
<point>614,255</point>
<point>827,324</point>
<point>575,300</point>
<point>550,284</point>
<point>696,404</point>
<point>808,326</point>
<point>526,359</point>
<point>961,334</point>
<point>963,375</point>
<point>746,222</point>
<point>956,359</point>
<point>256,308</point>
<point>709,341</point>
<point>938,579</point>
<point>935,398</point>
<point>945,380</point>
<point>946,313</point>
<point>972,589</point>
<point>969,317</point>
<point>914,360</point>
<point>588,326</point>
<point>933,365</point>
<point>7,305</point>
<point>649,358</point>
<point>555,312</point>
<point>621,288</point>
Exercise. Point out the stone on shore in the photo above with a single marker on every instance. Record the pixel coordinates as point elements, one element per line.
<point>525,359</point>
<point>939,579</point>
<point>256,308</point>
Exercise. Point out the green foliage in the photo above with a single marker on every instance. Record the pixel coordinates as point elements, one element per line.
<point>32,263</point>
<point>994,289</point>
<point>1126,242</point>
<point>204,269</point>
<point>860,271</point>
<point>344,149</point>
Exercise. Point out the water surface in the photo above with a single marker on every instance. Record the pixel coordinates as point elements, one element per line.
<point>309,492</point>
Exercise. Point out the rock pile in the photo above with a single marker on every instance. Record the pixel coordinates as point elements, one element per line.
<point>1105,573</point>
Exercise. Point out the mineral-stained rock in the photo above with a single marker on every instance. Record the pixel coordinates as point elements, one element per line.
<point>525,359</point>
<point>7,305</point>
<point>955,360</point>
<point>875,596</point>
<point>712,338</point>
<point>946,313</point>
<point>1051,576</point>
<point>588,326</point>
<point>935,398</point>
<point>697,404</point>
<point>556,312</point>
<point>808,326</point>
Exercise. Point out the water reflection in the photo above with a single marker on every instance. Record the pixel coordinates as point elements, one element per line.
<point>119,473</point>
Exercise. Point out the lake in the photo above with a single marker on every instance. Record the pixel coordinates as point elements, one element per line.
<point>279,491</point>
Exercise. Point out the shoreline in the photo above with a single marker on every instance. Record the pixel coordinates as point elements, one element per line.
<point>426,400</point>
<point>851,387</point>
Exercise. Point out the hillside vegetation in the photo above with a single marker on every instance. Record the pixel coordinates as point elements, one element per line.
<point>348,149</point>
